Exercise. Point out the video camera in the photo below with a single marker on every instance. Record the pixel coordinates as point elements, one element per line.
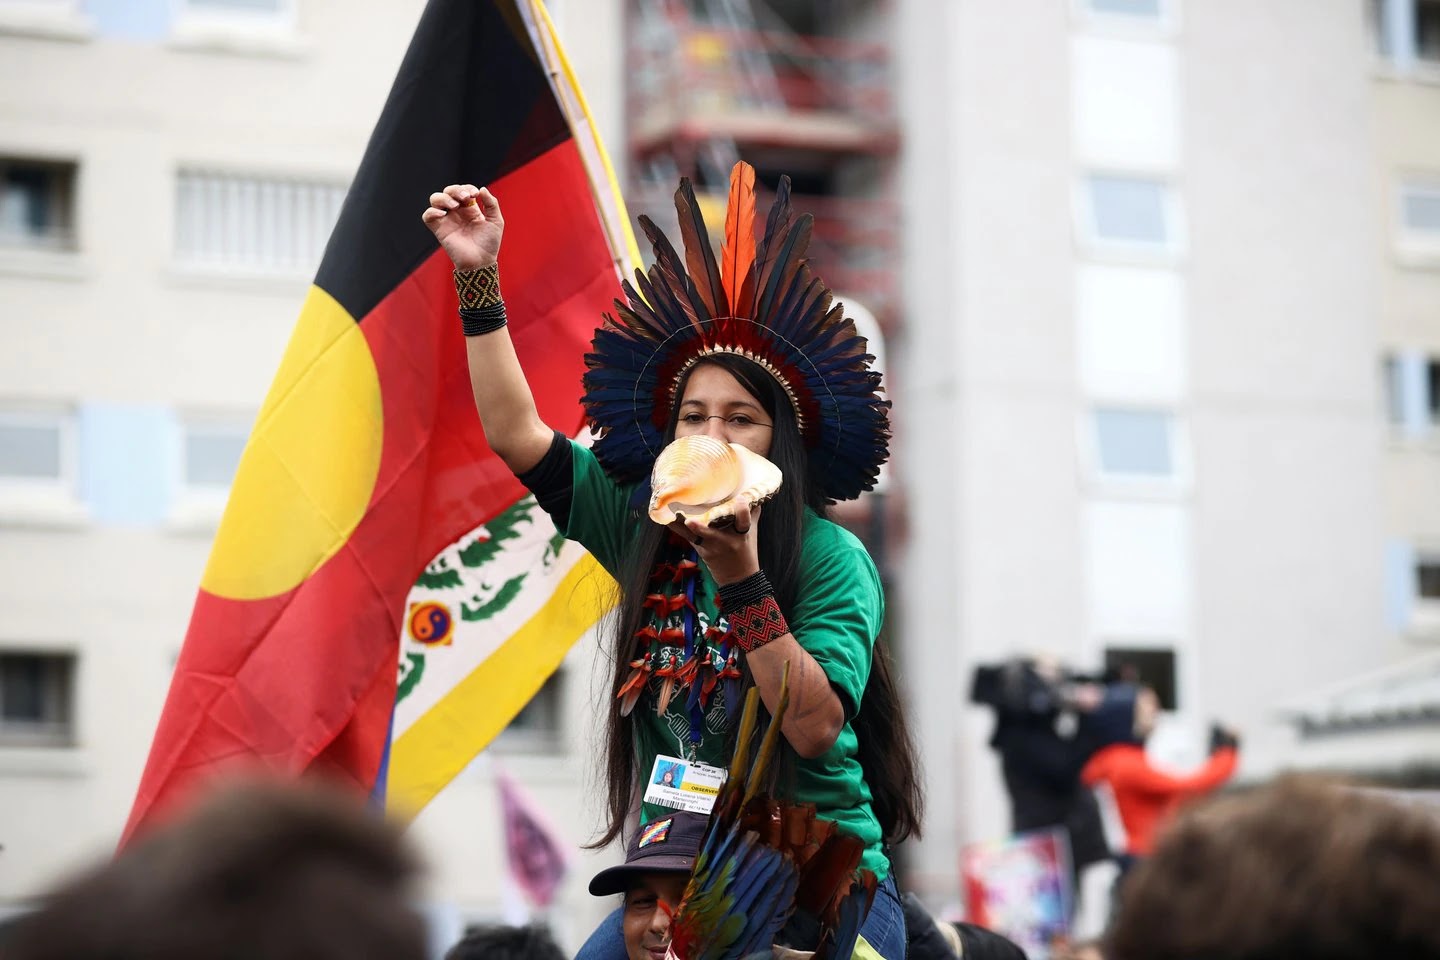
<point>1022,685</point>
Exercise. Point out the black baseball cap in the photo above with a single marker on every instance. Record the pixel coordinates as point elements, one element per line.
<point>667,844</point>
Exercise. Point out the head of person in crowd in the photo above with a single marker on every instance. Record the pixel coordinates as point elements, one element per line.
<point>931,939</point>
<point>499,942</point>
<point>1126,714</point>
<point>261,871</point>
<point>1078,950</point>
<point>658,861</point>
<point>980,943</point>
<point>1147,711</point>
<point>1300,869</point>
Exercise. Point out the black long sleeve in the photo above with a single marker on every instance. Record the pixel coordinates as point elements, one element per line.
<point>552,480</point>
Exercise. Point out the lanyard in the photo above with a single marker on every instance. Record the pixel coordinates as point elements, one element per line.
<point>688,612</point>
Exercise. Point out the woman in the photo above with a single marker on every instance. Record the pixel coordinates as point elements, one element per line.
<point>752,355</point>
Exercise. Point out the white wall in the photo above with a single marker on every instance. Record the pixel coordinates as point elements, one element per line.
<point>986,409</point>
<point>1282,300</point>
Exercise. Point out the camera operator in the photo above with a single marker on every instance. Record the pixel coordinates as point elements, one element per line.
<point>1035,703</point>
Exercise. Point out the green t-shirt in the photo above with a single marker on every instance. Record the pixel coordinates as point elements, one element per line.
<point>836,617</point>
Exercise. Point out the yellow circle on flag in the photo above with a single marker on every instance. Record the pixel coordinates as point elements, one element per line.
<point>308,472</point>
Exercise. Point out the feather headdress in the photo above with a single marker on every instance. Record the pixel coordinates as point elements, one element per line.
<point>759,301</point>
<point>768,868</point>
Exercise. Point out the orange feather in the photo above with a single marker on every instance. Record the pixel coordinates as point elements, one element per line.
<point>737,255</point>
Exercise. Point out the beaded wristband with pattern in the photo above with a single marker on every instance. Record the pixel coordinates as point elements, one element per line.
<point>478,288</point>
<point>756,624</point>
<point>754,616</point>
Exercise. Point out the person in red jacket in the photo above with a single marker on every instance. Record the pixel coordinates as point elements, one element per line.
<point>1146,797</point>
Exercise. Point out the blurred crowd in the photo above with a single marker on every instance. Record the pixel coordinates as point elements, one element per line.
<point>1299,868</point>
<point>1066,738</point>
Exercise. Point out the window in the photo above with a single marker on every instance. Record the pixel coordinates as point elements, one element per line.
<point>1376,24</point>
<point>37,200</point>
<point>254,223</point>
<point>1128,210</point>
<point>1407,32</point>
<point>1130,213</point>
<point>1412,393</point>
<point>1427,579</point>
<point>37,699</point>
<point>1420,210</point>
<point>1127,8</point>
<point>29,450</point>
<point>1432,399</point>
<point>208,456</point>
<point>1424,606</point>
<point>1425,371</point>
<point>1427,31</point>
<point>36,450</point>
<point>211,455</point>
<point>1134,442</point>
<point>1393,378</point>
<point>1150,667</point>
<point>1128,16</point>
<point>539,725</point>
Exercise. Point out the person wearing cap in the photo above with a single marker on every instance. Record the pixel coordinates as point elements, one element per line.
<point>658,861</point>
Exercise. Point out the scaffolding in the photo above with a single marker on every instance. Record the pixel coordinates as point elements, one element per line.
<point>716,81</point>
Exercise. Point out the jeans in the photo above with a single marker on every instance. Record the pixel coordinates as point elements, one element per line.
<point>883,929</point>
<point>884,926</point>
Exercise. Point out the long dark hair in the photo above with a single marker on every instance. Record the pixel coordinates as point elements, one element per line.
<point>886,752</point>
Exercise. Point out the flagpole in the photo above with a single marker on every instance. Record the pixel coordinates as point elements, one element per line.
<point>626,249</point>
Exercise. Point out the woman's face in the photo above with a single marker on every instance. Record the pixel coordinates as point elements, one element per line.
<point>668,778</point>
<point>715,404</point>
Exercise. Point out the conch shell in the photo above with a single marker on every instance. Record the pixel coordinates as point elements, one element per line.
<point>705,479</point>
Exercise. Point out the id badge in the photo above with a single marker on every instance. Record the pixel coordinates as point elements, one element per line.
<point>684,784</point>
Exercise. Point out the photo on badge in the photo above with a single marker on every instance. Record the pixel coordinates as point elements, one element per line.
<point>670,774</point>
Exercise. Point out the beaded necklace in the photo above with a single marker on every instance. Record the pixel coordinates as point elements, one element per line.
<point>678,648</point>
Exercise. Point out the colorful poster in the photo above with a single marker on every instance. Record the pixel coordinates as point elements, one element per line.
<point>537,857</point>
<point>1020,887</point>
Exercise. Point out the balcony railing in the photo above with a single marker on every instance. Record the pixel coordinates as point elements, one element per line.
<point>759,84</point>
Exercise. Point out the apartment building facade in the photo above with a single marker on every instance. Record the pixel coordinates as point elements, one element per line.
<point>1158,254</point>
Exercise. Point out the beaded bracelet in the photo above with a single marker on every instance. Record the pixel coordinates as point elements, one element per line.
<point>754,616</point>
<point>481,308</point>
<point>475,321</point>
<point>756,587</point>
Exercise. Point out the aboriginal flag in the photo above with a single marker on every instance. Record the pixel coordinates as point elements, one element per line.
<point>367,457</point>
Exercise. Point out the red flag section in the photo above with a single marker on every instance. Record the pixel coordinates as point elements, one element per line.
<point>367,457</point>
